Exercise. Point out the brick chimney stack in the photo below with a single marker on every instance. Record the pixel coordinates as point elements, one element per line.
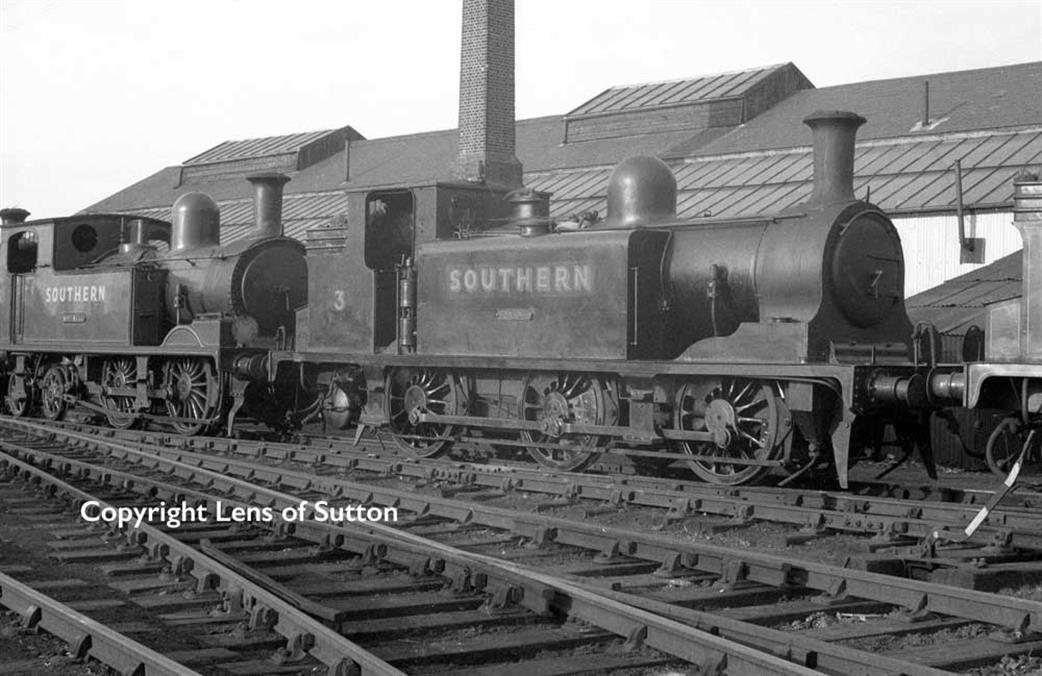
<point>486,98</point>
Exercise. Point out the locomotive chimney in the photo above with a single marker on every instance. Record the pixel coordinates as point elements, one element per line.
<point>267,204</point>
<point>834,133</point>
<point>1027,216</point>
<point>196,223</point>
<point>485,150</point>
<point>13,216</point>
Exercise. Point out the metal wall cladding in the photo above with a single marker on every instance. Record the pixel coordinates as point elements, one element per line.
<point>566,295</point>
<point>972,428</point>
<point>947,439</point>
<point>931,245</point>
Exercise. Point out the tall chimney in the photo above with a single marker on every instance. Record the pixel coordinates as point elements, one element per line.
<point>834,133</point>
<point>1027,216</point>
<point>13,216</point>
<point>267,204</point>
<point>486,98</point>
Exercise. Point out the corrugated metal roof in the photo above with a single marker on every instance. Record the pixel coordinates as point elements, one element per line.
<point>956,304</point>
<point>904,175</point>
<point>674,92</point>
<point>993,122</point>
<point>257,147</point>
<point>960,101</point>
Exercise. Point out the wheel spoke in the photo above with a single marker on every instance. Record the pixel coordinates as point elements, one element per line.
<point>751,438</point>
<point>744,409</point>
<point>757,403</point>
<point>424,390</point>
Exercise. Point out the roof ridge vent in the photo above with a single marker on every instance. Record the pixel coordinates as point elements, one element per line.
<point>285,153</point>
<point>691,104</point>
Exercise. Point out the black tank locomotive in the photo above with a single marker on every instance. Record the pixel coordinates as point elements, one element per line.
<point>739,346</point>
<point>139,318</point>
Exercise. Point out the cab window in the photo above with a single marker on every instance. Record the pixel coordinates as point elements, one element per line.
<point>22,250</point>
<point>388,228</point>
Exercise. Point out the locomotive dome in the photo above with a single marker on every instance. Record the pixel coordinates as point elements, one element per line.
<point>197,222</point>
<point>641,190</point>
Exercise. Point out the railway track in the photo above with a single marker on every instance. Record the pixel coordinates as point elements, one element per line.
<point>1006,550</point>
<point>376,606</point>
<point>178,593</point>
<point>85,636</point>
<point>748,598</point>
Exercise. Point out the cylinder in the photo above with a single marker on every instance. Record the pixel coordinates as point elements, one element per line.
<point>13,216</point>
<point>196,223</point>
<point>267,203</point>
<point>834,134</point>
<point>251,367</point>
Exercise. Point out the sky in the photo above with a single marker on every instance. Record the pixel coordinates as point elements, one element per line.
<point>97,95</point>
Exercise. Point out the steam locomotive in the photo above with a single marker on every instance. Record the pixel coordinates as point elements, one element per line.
<point>454,311</point>
<point>136,318</point>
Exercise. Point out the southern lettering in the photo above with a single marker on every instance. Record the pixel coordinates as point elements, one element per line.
<point>74,294</point>
<point>564,278</point>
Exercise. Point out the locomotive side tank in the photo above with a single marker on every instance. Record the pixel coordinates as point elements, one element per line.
<point>557,296</point>
<point>58,293</point>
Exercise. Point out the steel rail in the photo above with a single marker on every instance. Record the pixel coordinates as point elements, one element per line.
<point>539,593</point>
<point>831,658</point>
<point>86,637</point>
<point>884,516</point>
<point>1019,615</point>
<point>339,654</point>
<point>1016,614</point>
<point>816,653</point>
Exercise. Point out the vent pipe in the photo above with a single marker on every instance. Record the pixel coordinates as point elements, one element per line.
<point>1027,216</point>
<point>13,216</point>
<point>196,223</point>
<point>267,204</point>
<point>926,104</point>
<point>834,133</point>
